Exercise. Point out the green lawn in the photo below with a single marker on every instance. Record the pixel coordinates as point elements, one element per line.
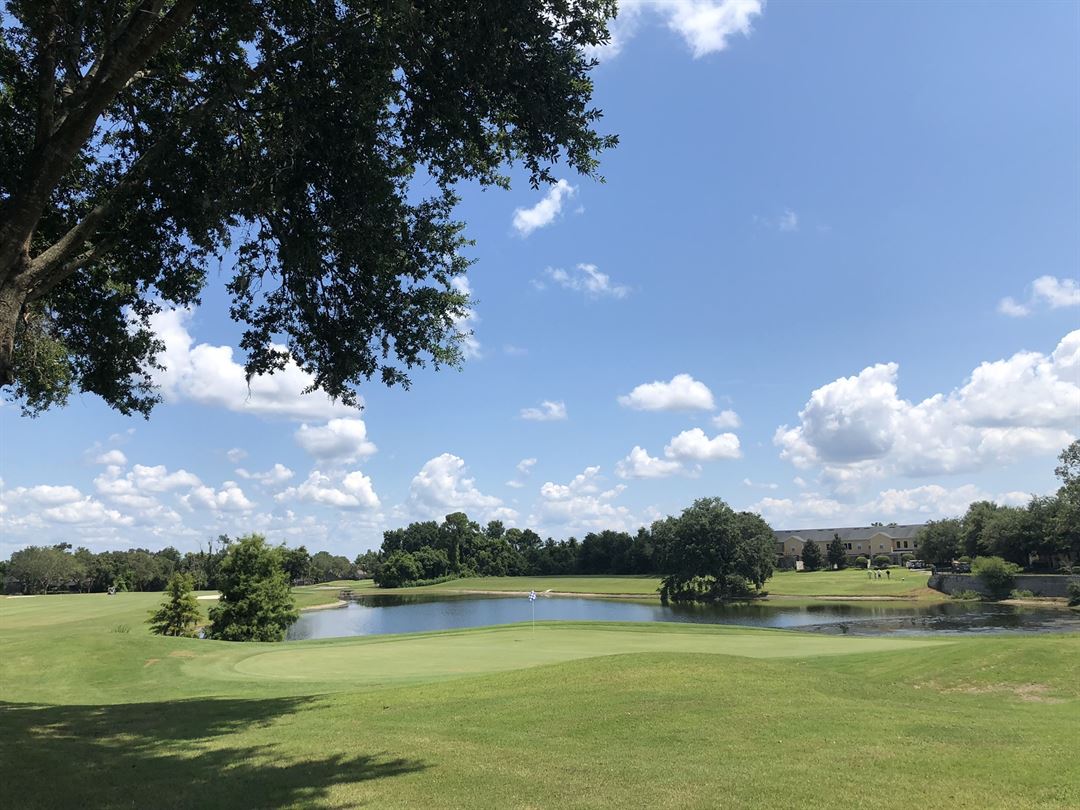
<point>574,715</point>
<point>849,582</point>
<point>900,584</point>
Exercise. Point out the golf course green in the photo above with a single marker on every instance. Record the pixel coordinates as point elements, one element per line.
<point>96,712</point>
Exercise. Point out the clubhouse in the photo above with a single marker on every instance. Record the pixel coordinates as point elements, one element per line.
<point>894,540</point>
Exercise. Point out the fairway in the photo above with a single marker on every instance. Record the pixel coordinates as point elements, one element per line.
<point>424,657</point>
<point>95,711</point>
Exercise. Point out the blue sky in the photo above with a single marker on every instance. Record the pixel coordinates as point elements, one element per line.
<point>831,277</point>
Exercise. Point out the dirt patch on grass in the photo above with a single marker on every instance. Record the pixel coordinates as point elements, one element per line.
<point>182,654</point>
<point>1027,692</point>
<point>150,662</point>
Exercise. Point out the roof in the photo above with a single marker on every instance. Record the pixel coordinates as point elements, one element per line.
<point>897,531</point>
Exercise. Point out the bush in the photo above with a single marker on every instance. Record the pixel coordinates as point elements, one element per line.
<point>398,569</point>
<point>1073,590</point>
<point>861,561</point>
<point>967,596</point>
<point>996,574</point>
<point>1021,593</point>
<point>906,558</point>
<point>882,561</point>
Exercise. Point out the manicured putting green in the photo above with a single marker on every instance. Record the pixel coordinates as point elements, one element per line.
<point>426,657</point>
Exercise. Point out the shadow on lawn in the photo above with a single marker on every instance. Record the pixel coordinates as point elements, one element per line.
<point>164,755</point>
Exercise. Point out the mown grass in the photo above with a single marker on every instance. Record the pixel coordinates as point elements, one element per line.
<point>847,583</point>
<point>574,715</point>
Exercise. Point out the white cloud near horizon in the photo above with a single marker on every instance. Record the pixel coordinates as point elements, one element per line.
<point>581,505</point>
<point>910,505</point>
<point>527,220</point>
<point>681,393</point>
<point>353,490</point>
<point>443,485</point>
<point>859,427</point>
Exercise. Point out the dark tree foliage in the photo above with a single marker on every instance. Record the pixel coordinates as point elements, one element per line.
<point>318,141</point>
<point>711,552</point>
<point>179,614</point>
<point>256,603</point>
<point>811,556</point>
<point>836,554</point>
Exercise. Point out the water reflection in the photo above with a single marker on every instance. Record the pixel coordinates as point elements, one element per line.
<point>387,613</point>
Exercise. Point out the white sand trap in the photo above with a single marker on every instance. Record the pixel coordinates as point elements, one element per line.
<point>213,596</point>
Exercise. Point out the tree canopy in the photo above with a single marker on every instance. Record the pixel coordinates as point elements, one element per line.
<point>318,142</point>
<point>711,552</point>
<point>256,603</point>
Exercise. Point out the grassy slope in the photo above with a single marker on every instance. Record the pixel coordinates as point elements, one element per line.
<point>683,717</point>
<point>901,584</point>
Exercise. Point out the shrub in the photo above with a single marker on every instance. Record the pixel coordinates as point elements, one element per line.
<point>996,574</point>
<point>1021,593</point>
<point>906,558</point>
<point>967,596</point>
<point>861,561</point>
<point>1073,590</point>
<point>121,628</point>
<point>882,561</point>
<point>398,569</point>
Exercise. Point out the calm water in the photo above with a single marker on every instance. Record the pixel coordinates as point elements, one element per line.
<point>379,614</point>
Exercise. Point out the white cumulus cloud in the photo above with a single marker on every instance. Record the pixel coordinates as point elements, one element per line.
<point>681,393</point>
<point>208,375</point>
<point>443,485</point>
<point>639,464</point>
<point>1027,404</point>
<point>337,440</point>
<point>353,490</point>
<point>694,445</point>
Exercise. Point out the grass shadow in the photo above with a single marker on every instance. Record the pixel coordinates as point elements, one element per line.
<point>167,754</point>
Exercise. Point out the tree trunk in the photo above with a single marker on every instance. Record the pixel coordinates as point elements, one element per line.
<point>12,297</point>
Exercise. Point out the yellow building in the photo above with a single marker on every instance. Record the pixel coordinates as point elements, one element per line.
<point>894,540</point>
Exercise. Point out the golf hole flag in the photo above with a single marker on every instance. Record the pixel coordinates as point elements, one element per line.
<point>532,596</point>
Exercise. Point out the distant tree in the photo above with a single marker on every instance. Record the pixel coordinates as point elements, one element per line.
<point>836,554</point>
<point>367,563</point>
<point>939,541</point>
<point>326,567</point>
<point>256,603</point>
<point>179,614</point>
<point>433,562</point>
<point>399,568</point>
<point>710,552</point>
<point>998,575</point>
<point>297,563</point>
<point>811,556</point>
<point>495,529</point>
<point>40,569</point>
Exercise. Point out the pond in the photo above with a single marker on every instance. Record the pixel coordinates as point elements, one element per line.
<point>381,614</point>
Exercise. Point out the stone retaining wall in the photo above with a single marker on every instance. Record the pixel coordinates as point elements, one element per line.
<point>1038,584</point>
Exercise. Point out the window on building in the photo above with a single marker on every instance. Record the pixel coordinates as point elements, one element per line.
<point>905,544</point>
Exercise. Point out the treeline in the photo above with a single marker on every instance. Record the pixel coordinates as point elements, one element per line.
<point>459,547</point>
<point>1043,534</point>
<point>59,568</point>
<point>707,552</point>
